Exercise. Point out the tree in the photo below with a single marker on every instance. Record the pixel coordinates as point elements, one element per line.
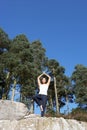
<point>79,79</point>
<point>59,79</point>
<point>4,47</point>
<point>22,63</point>
<point>23,70</point>
<point>4,41</point>
<point>38,55</point>
<point>17,61</point>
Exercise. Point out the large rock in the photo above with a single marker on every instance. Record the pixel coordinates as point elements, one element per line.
<point>10,110</point>
<point>42,123</point>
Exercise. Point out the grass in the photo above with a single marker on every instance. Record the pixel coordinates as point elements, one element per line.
<point>77,114</point>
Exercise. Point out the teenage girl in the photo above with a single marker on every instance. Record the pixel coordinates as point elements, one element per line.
<point>41,98</point>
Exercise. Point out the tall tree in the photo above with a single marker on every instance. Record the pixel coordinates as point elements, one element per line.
<point>4,47</point>
<point>18,61</point>
<point>22,63</point>
<point>79,79</point>
<point>38,55</point>
<point>59,79</point>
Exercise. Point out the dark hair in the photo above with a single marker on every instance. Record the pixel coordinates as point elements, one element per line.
<point>42,79</point>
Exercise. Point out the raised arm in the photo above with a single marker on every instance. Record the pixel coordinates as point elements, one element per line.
<point>38,79</point>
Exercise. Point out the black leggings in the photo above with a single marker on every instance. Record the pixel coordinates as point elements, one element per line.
<point>41,100</point>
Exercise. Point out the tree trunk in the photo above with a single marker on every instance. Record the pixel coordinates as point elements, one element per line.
<point>31,110</point>
<point>56,97</point>
<point>67,104</point>
<point>13,90</point>
<point>51,102</point>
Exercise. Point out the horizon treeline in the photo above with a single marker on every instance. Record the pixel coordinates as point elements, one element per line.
<point>21,62</point>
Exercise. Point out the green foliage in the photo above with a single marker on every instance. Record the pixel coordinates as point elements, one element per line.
<point>79,77</point>
<point>4,40</point>
<point>61,80</point>
<point>50,113</point>
<point>23,61</point>
<point>38,55</point>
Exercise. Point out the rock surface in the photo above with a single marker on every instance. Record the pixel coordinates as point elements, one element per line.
<point>13,117</point>
<point>42,123</point>
<point>10,110</point>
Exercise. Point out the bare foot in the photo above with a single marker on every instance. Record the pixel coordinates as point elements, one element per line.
<point>41,108</point>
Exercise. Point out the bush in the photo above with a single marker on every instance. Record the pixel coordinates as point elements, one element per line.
<point>78,114</point>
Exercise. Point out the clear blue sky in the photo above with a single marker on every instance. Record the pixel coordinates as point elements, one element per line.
<point>61,25</point>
